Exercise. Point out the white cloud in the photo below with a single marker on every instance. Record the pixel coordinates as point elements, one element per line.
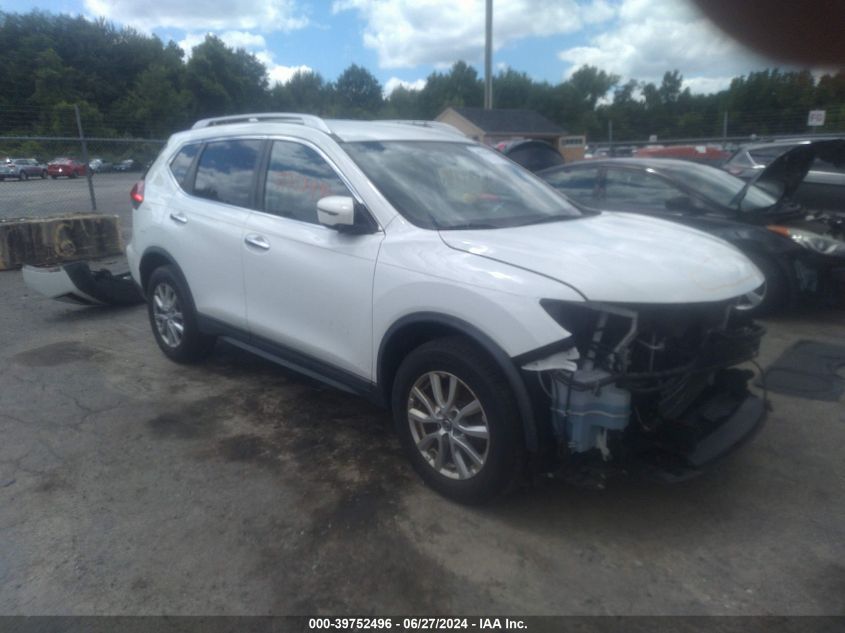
<point>194,15</point>
<point>394,82</point>
<point>283,74</point>
<point>406,33</point>
<point>253,43</point>
<point>653,36</point>
<point>706,85</point>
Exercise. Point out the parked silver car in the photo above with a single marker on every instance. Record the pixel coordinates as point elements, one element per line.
<point>22,169</point>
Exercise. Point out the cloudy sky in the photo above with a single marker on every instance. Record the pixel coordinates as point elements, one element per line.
<point>402,41</point>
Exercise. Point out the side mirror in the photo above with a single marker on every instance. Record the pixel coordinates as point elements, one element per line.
<point>336,211</point>
<point>344,215</point>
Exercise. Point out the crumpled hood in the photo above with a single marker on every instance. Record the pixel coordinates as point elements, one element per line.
<point>783,175</point>
<point>620,257</point>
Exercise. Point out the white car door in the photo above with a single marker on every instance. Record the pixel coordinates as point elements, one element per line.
<point>308,287</point>
<point>206,226</point>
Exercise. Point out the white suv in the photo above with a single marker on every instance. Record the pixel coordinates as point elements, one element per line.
<point>399,260</point>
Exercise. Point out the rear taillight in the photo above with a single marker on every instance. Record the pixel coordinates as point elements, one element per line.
<point>137,194</point>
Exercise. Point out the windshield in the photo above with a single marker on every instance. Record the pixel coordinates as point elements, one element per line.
<point>442,185</point>
<point>723,188</point>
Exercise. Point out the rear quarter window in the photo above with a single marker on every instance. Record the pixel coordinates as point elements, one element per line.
<point>181,163</point>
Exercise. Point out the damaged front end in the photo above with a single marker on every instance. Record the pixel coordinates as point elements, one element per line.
<point>654,386</point>
<point>820,266</point>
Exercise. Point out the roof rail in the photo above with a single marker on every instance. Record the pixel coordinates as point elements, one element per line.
<point>437,125</point>
<point>309,120</point>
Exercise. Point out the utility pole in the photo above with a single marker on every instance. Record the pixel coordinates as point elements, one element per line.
<point>610,136</point>
<point>488,58</point>
<point>725,129</point>
<point>85,157</point>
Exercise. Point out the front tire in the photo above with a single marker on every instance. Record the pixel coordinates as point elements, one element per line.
<point>458,420</point>
<point>23,176</point>
<point>775,292</point>
<point>173,317</point>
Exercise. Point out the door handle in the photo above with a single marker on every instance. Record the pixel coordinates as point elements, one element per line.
<point>179,218</point>
<point>257,241</point>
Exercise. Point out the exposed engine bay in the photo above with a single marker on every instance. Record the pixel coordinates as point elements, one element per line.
<point>651,379</point>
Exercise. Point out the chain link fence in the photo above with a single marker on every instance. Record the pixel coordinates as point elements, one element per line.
<point>96,175</point>
<point>107,164</point>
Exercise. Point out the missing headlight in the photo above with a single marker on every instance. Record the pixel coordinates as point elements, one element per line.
<point>638,366</point>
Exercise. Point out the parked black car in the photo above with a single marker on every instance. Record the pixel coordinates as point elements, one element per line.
<point>822,189</point>
<point>797,251</point>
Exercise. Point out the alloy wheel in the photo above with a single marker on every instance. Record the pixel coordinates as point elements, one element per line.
<point>168,315</point>
<point>448,425</point>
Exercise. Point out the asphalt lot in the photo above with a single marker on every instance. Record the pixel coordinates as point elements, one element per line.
<point>131,485</point>
<point>38,198</point>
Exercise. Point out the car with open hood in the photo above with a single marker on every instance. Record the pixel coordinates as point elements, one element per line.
<point>801,252</point>
<point>823,188</point>
<point>504,327</point>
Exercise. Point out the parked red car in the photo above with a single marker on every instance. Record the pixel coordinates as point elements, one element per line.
<point>69,167</point>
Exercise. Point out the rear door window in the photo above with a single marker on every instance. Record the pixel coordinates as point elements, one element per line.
<point>628,188</point>
<point>226,171</point>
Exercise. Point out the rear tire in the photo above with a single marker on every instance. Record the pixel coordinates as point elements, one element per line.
<point>43,174</point>
<point>458,420</point>
<point>173,317</point>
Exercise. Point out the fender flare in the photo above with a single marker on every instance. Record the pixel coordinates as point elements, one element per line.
<point>505,363</point>
<point>158,252</point>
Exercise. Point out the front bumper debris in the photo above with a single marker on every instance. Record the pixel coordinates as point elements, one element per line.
<point>75,282</point>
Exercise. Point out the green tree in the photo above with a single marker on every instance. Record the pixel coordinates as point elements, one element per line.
<point>156,104</point>
<point>304,92</point>
<point>223,81</point>
<point>512,89</point>
<point>459,87</point>
<point>357,93</point>
<point>403,104</point>
<point>591,84</point>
